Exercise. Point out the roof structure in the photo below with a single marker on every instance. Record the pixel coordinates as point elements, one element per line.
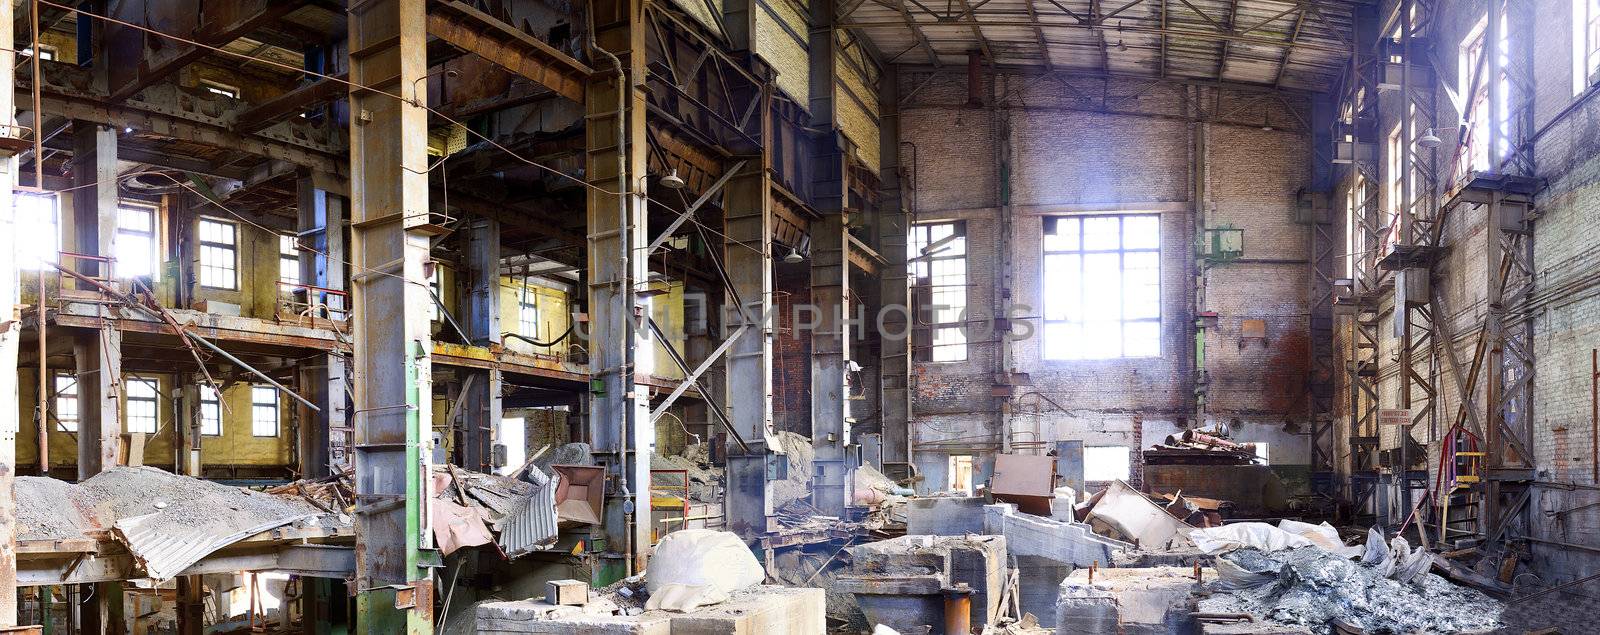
<point>1288,44</point>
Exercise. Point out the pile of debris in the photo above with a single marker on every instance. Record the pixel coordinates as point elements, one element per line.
<point>1196,447</point>
<point>699,581</point>
<point>705,480</point>
<point>1305,583</point>
<point>167,522</point>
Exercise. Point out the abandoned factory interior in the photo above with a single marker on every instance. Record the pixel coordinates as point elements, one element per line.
<point>800,317</point>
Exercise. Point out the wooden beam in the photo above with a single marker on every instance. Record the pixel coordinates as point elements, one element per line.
<point>464,27</point>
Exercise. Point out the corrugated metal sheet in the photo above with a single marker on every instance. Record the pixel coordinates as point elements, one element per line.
<point>534,527</point>
<point>164,550</point>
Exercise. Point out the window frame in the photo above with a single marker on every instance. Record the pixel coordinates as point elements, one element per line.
<point>64,396</point>
<point>154,400</point>
<point>927,331</point>
<point>1472,53</point>
<point>218,88</point>
<point>1050,223</point>
<point>257,404</point>
<point>151,235</point>
<point>1585,45</point>
<point>232,248</point>
<point>32,226</point>
<point>210,397</point>
<point>527,301</point>
<point>289,258</point>
<point>953,473</point>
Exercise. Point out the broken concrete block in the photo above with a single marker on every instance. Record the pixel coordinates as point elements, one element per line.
<point>1046,551</point>
<point>1156,600</point>
<point>566,592</point>
<point>759,610</point>
<point>532,616</point>
<point>945,516</point>
<point>900,582</point>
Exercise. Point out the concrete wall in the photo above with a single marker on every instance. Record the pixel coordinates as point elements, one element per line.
<point>1068,158</point>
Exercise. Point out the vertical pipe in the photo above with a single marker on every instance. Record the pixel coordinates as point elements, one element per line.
<point>38,182</point>
<point>958,610</point>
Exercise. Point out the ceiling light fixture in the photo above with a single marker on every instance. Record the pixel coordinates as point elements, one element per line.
<point>1429,139</point>
<point>793,257</point>
<point>672,181</point>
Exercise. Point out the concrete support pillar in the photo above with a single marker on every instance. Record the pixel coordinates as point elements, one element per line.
<point>619,420</point>
<point>98,354</point>
<point>894,292</point>
<point>392,361</point>
<point>10,341</point>
<point>748,253</point>
<point>325,439</point>
<point>481,412</point>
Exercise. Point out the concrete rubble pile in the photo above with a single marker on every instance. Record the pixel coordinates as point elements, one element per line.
<point>1308,585</point>
<point>705,480</point>
<point>698,581</point>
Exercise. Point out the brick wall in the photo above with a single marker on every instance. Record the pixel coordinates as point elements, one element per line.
<point>1066,160</point>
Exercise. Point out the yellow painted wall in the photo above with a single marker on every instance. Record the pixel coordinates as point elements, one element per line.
<point>236,446</point>
<point>256,256</point>
<point>667,311</point>
<point>555,315</point>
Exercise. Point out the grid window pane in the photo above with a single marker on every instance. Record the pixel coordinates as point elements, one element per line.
<point>37,220</point>
<point>1102,292</point>
<point>210,412</point>
<point>937,264</point>
<point>263,411</point>
<point>288,260</point>
<point>136,241</point>
<point>142,406</point>
<point>67,402</point>
<point>219,255</point>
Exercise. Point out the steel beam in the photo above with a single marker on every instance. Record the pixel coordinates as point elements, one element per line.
<point>393,367</point>
<point>464,27</point>
<point>481,397</point>
<point>894,290</point>
<point>830,274</point>
<point>320,233</point>
<point>223,22</point>
<point>620,428</point>
<point>747,250</point>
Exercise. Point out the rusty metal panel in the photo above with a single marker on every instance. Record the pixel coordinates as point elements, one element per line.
<point>1028,481</point>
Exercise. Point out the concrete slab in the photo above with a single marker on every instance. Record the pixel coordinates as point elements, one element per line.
<point>534,616</point>
<point>760,610</point>
<point>945,516</point>
<point>1129,601</point>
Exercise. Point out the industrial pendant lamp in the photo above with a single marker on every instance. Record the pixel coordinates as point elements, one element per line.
<point>1428,139</point>
<point>793,256</point>
<point>672,181</point>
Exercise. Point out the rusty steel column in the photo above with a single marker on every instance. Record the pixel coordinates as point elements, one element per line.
<point>615,160</point>
<point>393,365</point>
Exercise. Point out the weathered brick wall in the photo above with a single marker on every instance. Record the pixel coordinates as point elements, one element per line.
<point>1068,160</point>
<point>1566,309</point>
